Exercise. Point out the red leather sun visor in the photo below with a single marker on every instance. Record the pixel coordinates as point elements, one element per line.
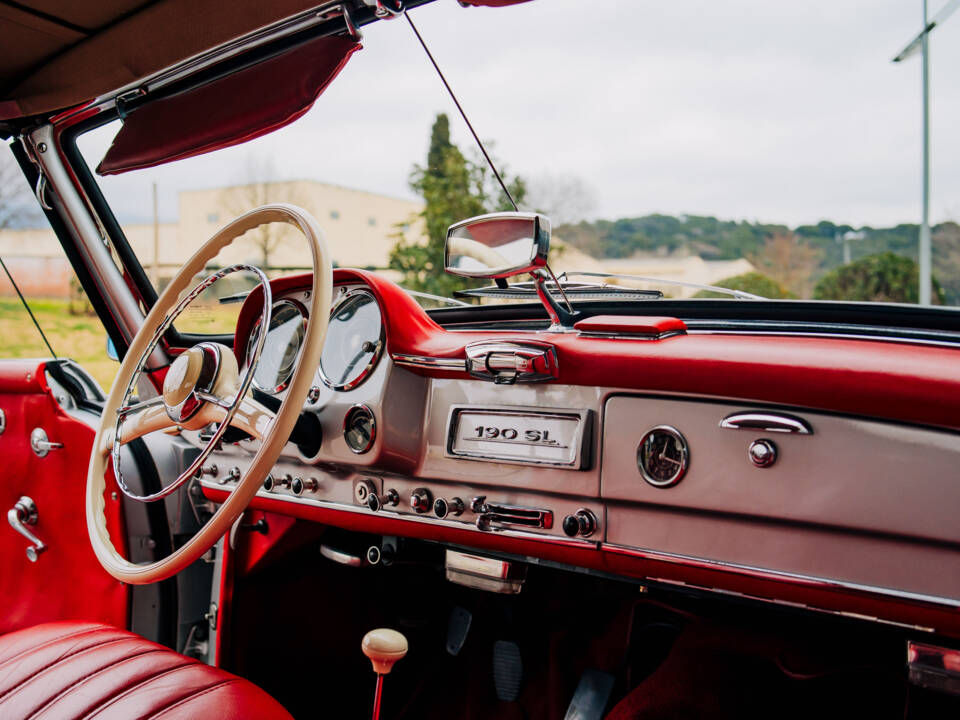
<point>229,111</point>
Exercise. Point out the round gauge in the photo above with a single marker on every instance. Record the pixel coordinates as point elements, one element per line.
<point>354,341</point>
<point>663,456</point>
<point>288,323</point>
<point>359,429</point>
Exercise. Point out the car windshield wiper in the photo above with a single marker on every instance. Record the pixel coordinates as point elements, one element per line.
<point>739,294</point>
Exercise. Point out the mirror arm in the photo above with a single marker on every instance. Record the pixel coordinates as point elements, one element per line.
<point>561,320</point>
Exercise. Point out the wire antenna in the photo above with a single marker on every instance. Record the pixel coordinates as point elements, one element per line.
<point>29,311</point>
<point>456,102</point>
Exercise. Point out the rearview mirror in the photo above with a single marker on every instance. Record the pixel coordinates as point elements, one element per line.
<point>497,245</point>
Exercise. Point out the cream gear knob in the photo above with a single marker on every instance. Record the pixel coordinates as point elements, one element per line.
<point>384,647</point>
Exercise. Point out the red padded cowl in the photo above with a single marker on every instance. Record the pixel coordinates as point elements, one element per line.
<point>66,670</point>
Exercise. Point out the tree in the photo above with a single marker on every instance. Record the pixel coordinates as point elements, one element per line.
<point>261,188</point>
<point>885,277</point>
<point>453,187</point>
<point>790,261</point>
<point>751,282</point>
<point>18,208</point>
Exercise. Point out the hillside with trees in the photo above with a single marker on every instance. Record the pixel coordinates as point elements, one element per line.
<point>796,259</point>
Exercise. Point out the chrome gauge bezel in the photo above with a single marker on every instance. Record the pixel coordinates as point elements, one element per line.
<point>684,456</point>
<point>377,353</point>
<point>254,331</point>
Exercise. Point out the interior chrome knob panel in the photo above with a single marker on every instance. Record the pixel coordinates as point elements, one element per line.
<point>763,453</point>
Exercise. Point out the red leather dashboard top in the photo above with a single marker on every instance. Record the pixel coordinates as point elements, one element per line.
<point>911,383</point>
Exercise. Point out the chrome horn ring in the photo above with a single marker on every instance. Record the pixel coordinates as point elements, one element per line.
<point>180,409</point>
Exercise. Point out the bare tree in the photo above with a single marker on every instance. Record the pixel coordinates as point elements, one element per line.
<point>17,206</point>
<point>790,261</point>
<point>565,199</point>
<point>261,187</point>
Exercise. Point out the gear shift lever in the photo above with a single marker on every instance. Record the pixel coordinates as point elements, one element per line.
<point>384,647</point>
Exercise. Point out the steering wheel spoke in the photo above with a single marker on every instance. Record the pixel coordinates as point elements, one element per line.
<point>203,386</point>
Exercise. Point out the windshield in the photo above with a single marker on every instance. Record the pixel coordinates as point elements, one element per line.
<point>765,147</point>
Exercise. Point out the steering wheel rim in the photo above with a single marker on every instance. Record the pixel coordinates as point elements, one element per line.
<point>273,429</point>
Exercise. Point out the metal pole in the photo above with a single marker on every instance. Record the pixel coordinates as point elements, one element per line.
<point>925,263</point>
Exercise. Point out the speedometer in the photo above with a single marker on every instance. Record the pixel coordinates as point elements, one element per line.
<point>280,349</point>
<point>354,341</point>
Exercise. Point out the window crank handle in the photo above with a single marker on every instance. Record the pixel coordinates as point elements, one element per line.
<point>19,516</point>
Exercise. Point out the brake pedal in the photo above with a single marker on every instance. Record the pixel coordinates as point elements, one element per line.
<point>507,670</point>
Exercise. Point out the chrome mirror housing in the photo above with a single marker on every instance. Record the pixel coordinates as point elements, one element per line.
<point>497,245</point>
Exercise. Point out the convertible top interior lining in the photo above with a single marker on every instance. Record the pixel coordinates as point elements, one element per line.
<point>55,55</point>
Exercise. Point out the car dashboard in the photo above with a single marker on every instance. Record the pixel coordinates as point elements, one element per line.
<point>810,472</point>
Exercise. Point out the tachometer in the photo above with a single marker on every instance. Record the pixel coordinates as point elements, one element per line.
<point>284,338</point>
<point>354,341</point>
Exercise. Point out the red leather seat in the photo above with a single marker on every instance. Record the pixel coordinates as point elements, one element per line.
<point>72,670</point>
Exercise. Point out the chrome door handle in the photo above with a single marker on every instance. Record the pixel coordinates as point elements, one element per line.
<point>40,444</point>
<point>767,422</point>
<point>19,516</point>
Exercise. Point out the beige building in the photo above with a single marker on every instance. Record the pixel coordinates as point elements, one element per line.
<point>359,227</point>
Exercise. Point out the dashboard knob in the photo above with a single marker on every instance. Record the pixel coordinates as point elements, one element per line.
<point>582,523</point>
<point>421,500</point>
<point>763,453</point>
<point>376,502</point>
<point>273,482</point>
<point>444,508</point>
<point>233,474</point>
<point>301,485</point>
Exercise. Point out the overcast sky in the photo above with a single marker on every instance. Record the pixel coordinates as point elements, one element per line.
<point>743,109</point>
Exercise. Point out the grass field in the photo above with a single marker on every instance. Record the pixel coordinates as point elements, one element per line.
<point>78,337</point>
<point>83,338</point>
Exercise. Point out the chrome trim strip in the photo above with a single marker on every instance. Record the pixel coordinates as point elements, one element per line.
<point>767,422</point>
<point>430,363</point>
<point>459,524</point>
<point>778,575</point>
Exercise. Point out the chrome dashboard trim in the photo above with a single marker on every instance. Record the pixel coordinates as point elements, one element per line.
<point>777,575</point>
<point>430,363</point>
<point>409,517</point>
<point>345,297</point>
<point>594,335</point>
<point>901,340</point>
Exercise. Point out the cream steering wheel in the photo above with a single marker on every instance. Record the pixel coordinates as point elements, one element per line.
<point>203,386</point>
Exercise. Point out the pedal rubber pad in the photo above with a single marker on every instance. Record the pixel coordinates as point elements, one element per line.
<point>458,626</point>
<point>507,670</point>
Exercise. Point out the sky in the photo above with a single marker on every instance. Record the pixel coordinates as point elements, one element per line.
<point>778,111</point>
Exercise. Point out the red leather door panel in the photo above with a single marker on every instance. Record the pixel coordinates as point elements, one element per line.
<point>66,582</point>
